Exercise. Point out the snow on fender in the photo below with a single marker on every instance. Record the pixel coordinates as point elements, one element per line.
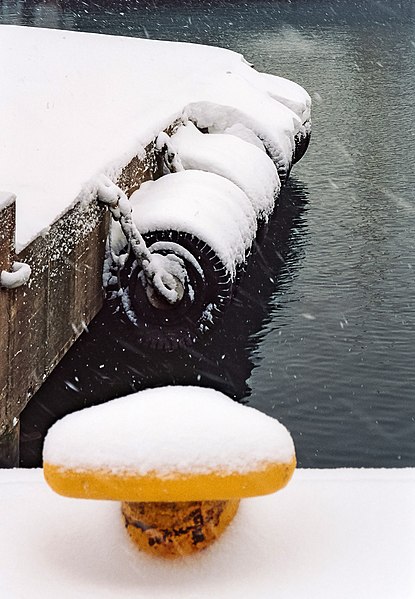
<point>201,203</point>
<point>208,223</point>
<point>236,159</point>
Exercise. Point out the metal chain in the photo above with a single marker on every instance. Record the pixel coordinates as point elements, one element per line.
<point>161,272</point>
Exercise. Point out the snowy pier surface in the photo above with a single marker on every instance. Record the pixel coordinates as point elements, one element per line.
<point>331,533</point>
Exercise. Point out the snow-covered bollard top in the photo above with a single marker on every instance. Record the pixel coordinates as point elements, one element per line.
<point>171,443</point>
<point>193,449</point>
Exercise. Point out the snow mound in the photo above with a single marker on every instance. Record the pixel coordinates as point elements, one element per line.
<point>229,156</point>
<point>185,429</point>
<point>203,204</point>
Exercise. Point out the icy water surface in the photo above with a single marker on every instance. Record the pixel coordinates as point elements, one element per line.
<point>322,332</point>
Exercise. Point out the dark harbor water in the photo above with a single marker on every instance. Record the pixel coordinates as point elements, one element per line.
<point>321,334</point>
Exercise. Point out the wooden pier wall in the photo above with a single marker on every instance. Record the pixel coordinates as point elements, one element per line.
<point>42,319</point>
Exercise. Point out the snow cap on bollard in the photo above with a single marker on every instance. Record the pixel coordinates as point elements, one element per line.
<point>171,455</point>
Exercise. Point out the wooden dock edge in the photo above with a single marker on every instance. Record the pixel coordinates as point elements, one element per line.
<point>41,320</point>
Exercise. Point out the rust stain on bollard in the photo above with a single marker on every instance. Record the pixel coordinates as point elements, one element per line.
<point>179,528</point>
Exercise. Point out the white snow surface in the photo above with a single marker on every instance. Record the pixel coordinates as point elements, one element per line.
<point>343,534</point>
<point>169,429</point>
<point>206,205</point>
<point>19,275</point>
<point>74,105</point>
<point>246,134</point>
<point>288,93</point>
<point>233,158</point>
<point>6,198</point>
<point>236,100</point>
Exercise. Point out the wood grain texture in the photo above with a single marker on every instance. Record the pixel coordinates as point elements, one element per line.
<point>41,320</point>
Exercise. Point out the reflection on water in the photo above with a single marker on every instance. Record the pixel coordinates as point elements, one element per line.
<point>322,332</point>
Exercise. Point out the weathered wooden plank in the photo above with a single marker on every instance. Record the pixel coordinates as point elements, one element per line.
<point>46,312</point>
<point>88,291</point>
<point>68,309</point>
<point>29,315</point>
<point>41,320</point>
<point>7,229</point>
<point>60,313</point>
<point>138,170</point>
<point>143,167</point>
<point>9,445</point>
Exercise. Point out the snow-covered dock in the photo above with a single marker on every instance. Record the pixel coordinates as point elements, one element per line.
<point>76,107</point>
<point>330,533</point>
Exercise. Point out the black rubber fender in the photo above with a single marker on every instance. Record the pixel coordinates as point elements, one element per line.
<point>208,290</point>
<point>302,141</point>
